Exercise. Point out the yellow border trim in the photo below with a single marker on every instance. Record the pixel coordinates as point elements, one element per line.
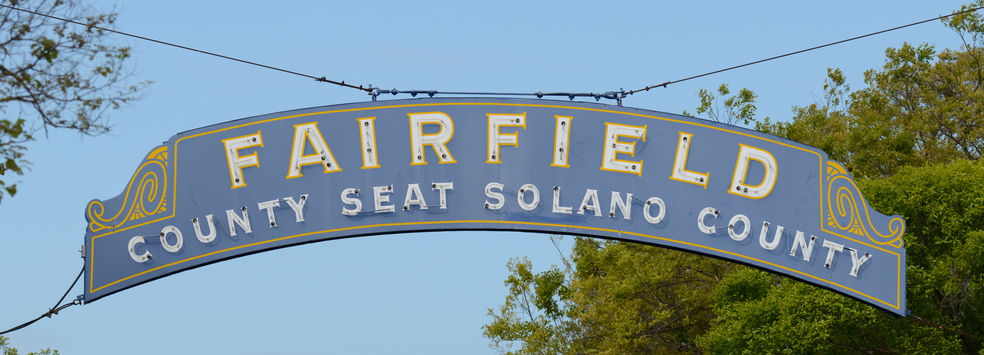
<point>567,147</point>
<point>423,150</point>
<point>765,176</point>
<point>371,123</point>
<point>615,154</point>
<point>232,176</point>
<point>304,141</point>
<point>686,156</point>
<point>497,133</point>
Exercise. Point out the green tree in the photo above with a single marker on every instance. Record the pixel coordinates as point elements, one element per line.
<point>915,132</point>
<point>923,107</point>
<point>56,75</point>
<point>621,298</point>
<point>736,109</point>
<point>7,350</point>
<point>824,124</point>
<point>912,138</point>
<point>944,209</point>
<point>535,313</point>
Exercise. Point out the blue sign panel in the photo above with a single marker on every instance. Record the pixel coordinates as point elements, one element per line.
<point>289,178</point>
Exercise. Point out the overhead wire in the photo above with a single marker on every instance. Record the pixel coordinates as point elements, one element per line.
<point>319,79</point>
<point>612,95</point>
<point>615,95</point>
<point>630,92</point>
<point>53,310</point>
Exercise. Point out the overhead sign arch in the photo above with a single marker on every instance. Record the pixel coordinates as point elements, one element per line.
<point>330,172</point>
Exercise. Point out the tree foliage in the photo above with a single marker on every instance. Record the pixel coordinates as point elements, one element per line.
<point>622,298</point>
<point>56,75</point>
<point>944,209</point>
<point>912,138</point>
<point>923,107</point>
<point>532,312</point>
<point>736,109</point>
<point>5,349</point>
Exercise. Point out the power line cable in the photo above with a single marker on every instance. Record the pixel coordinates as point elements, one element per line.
<point>616,95</point>
<point>319,79</point>
<point>54,310</point>
<point>621,94</point>
<point>612,95</point>
<point>799,51</point>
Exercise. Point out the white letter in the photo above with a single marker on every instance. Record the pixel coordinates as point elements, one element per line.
<point>662,210</point>
<point>831,248</point>
<point>443,186</point>
<point>198,229</point>
<point>522,193</point>
<point>133,253</point>
<point>775,240</point>
<point>562,135</point>
<point>497,139</point>
<point>351,201</point>
<point>613,147</point>
<point>377,193</point>
<point>236,162</point>
<point>738,185</point>
<point>242,222</point>
<point>297,207</point>
<point>556,203</point>
<point>367,125</point>
<point>438,141</point>
<point>800,242</point>
<point>856,262</point>
<point>731,227</point>
<point>309,132</point>
<point>591,195</point>
<point>700,220</point>
<point>625,207</point>
<point>177,235</point>
<point>413,189</point>
<point>495,195</point>
<point>680,172</point>
<point>268,206</point>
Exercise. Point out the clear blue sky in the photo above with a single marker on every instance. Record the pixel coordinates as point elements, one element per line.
<point>408,293</point>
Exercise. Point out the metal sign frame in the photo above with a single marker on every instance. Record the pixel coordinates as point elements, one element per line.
<point>289,178</point>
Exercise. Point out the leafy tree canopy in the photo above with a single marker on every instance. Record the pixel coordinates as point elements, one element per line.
<point>923,107</point>
<point>5,349</point>
<point>56,75</point>
<point>622,298</point>
<point>912,138</point>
